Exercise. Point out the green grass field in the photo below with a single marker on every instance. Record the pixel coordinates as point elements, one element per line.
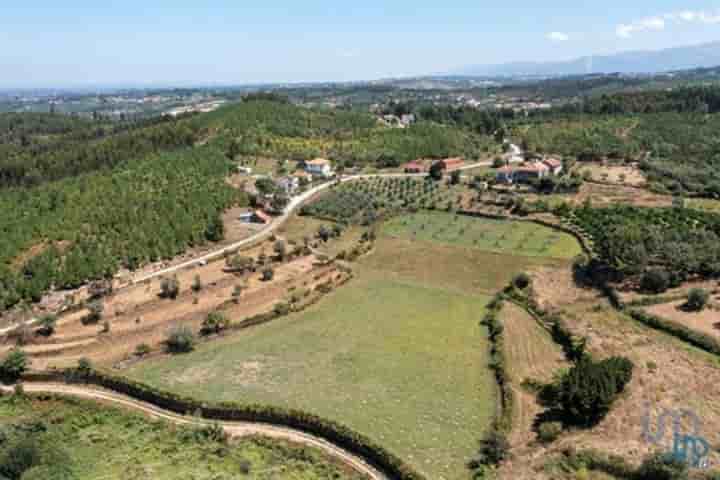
<point>99,443</point>
<point>397,354</point>
<point>405,364</point>
<point>499,236</point>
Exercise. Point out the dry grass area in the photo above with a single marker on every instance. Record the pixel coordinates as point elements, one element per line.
<point>669,374</point>
<point>617,174</point>
<point>531,354</point>
<point>137,315</point>
<point>707,321</point>
<point>629,293</point>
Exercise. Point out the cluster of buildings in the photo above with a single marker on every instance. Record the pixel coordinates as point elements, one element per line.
<point>423,166</point>
<point>288,184</point>
<point>529,171</point>
<point>401,121</point>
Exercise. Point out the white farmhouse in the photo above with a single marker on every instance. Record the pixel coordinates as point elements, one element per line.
<point>319,167</point>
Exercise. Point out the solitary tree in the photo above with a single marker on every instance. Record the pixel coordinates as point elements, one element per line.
<point>697,300</point>
<point>280,249</point>
<point>169,287</point>
<point>197,284</point>
<point>47,324</point>
<point>215,322</point>
<point>14,365</point>
<point>268,274</point>
<point>180,339</point>
<point>436,170</point>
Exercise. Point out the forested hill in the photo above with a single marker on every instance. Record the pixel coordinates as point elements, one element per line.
<point>79,200</point>
<point>37,148</point>
<point>671,133</point>
<point>281,130</point>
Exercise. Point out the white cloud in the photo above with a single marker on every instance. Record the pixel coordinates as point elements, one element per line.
<point>626,30</point>
<point>650,23</point>
<point>558,37</point>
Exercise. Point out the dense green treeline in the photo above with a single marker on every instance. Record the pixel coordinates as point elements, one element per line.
<point>632,241</point>
<point>38,148</point>
<point>679,100</point>
<point>65,233</point>
<point>277,129</point>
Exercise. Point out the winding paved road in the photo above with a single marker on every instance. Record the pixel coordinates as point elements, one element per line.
<point>234,429</point>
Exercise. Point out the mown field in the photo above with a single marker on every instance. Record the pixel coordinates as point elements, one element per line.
<point>78,440</point>
<point>397,354</point>
<point>516,238</point>
<point>405,364</point>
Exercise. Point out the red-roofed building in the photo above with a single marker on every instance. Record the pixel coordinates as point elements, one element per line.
<point>524,173</point>
<point>453,163</point>
<point>261,217</point>
<point>554,165</point>
<point>414,167</point>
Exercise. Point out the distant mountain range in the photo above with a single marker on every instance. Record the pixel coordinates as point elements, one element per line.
<point>678,58</point>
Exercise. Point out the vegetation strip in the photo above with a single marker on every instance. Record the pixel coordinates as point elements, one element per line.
<point>494,445</point>
<point>334,432</point>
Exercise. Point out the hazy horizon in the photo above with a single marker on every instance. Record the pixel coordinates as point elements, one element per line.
<point>81,44</point>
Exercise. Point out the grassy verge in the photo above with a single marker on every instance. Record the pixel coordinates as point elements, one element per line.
<point>106,443</point>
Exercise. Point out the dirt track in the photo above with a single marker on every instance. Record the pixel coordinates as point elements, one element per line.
<point>234,429</point>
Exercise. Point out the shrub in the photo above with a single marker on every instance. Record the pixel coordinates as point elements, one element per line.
<point>655,281</point>
<point>85,366</point>
<point>239,264</point>
<point>169,288</point>
<point>662,466</point>
<point>268,274</point>
<point>522,281</point>
<point>282,308</point>
<point>180,339</point>
<point>280,249</point>
<point>697,300</point>
<point>14,365</point>
<point>142,350</point>
<point>215,322</point>
<point>47,324</point>
<point>197,284</point>
<point>548,432</point>
<point>96,309</point>
<point>494,448</point>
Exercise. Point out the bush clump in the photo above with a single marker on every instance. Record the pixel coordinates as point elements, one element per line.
<point>169,288</point>
<point>548,432</point>
<point>588,390</point>
<point>180,339</point>
<point>697,300</point>
<point>522,281</point>
<point>13,366</point>
<point>655,281</point>
<point>662,466</point>
<point>214,323</point>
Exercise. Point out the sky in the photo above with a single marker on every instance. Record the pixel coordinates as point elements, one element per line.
<point>73,43</point>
